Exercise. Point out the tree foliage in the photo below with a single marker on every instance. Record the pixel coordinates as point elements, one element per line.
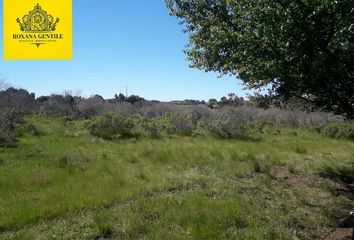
<point>301,48</point>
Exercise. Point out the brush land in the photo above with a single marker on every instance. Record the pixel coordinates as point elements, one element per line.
<point>66,179</point>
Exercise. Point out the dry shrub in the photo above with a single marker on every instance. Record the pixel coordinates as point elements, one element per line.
<point>10,120</point>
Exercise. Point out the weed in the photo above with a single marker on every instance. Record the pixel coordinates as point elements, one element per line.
<point>110,126</point>
<point>343,172</point>
<point>73,161</point>
<point>104,227</point>
<point>300,150</point>
<point>292,168</point>
<point>339,131</point>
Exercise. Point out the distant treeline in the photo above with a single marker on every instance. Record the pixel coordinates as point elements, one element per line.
<point>70,104</point>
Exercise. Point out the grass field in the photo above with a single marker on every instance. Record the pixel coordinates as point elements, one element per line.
<point>62,183</point>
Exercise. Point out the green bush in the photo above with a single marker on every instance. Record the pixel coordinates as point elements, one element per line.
<point>339,131</point>
<point>150,127</point>
<point>110,126</point>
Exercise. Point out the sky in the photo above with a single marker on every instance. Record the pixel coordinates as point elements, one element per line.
<point>119,44</point>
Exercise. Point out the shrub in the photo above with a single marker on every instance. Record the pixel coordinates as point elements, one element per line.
<point>260,126</point>
<point>339,131</point>
<point>150,127</point>
<point>227,124</point>
<point>31,129</point>
<point>181,124</point>
<point>110,126</point>
<point>10,120</point>
<point>7,138</point>
<point>225,129</point>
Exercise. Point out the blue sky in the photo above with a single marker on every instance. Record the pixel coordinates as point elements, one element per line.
<point>118,44</point>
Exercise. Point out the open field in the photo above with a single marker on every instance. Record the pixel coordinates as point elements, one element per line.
<point>63,183</point>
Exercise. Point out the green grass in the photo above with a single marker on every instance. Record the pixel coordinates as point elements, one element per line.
<point>66,184</point>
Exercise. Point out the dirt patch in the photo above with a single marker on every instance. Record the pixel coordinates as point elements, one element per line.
<point>296,179</point>
<point>316,187</point>
<point>341,234</point>
<point>301,180</point>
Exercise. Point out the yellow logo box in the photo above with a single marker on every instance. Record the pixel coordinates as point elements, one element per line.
<point>37,30</point>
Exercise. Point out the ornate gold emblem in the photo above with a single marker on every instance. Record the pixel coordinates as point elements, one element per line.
<point>37,20</point>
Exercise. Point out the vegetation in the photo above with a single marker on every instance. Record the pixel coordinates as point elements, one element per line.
<point>339,131</point>
<point>63,182</point>
<point>272,166</point>
<point>227,124</point>
<point>301,49</point>
<point>76,168</point>
<point>10,120</point>
<point>110,126</point>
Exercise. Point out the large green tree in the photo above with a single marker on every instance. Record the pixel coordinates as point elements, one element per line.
<point>301,48</point>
